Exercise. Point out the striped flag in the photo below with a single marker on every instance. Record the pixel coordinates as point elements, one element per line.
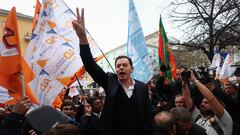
<point>137,48</point>
<point>165,53</point>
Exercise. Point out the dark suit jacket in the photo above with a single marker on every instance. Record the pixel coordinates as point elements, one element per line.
<point>89,125</point>
<point>111,85</point>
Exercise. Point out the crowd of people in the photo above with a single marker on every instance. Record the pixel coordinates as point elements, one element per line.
<point>189,105</point>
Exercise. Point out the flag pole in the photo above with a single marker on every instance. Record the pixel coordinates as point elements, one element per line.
<point>102,53</point>
<point>23,84</point>
<point>93,40</point>
<point>81,88</point>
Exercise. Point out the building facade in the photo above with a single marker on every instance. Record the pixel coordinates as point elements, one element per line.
<point>109,66</point>
<point>183,56</point>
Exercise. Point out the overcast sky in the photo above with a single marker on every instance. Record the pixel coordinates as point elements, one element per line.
<point>107,20</point>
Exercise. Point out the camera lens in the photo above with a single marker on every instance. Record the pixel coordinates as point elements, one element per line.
<point>188,74</point>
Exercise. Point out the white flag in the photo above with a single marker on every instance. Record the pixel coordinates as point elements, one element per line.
<point>227,70</point>
<point>216,61</point>
<point>53,51</point>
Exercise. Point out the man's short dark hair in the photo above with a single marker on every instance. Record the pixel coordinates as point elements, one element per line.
<point>91,100</point>
<point>123,56</point>
<point>66,103</point>
<point>178,95</point>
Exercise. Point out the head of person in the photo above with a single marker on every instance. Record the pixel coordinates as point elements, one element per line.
<point>67,98</point>
<point>95,103</point>
<point>179,101</point>
<point>183,120</point>
<point>230,89</point>
<point>208,82</point>
<point>205,108</point>
<point>161,105</point>
<point>179,72</point>
<point>124,67</point>
<point>151,84</point>
<point>164,123</point>
<point>76,99</point>
<point>67,108</point>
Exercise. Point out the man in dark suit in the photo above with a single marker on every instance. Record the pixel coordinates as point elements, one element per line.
<point>127,108</point>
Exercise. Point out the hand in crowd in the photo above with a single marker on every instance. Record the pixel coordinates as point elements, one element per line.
<point>87,109</point>
<point>79,27</point>
<point>32,132</point>
<point>22,106</point>
<point>193,77</point>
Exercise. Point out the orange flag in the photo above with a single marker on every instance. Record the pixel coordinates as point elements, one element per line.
<point>12,62</point>
<point>36,13</point>
<point>57,102</point>
<point>81,71</point>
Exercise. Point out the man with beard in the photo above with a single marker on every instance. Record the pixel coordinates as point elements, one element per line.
<point>127,108</point>
<point>211,116</point>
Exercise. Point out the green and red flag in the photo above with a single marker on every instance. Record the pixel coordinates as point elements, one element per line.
<point>165,53</point>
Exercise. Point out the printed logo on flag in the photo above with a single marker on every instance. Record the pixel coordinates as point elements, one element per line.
<point>53,51</point>
<point>9,39</point>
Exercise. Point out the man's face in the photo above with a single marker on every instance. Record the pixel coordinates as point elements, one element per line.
<point>205,108</point>
<point>178,77</point>
<point>123,69</point>
<point>67,110</point>
<point>179,72</point>
<point>229,89</point>
<point>209,85</point>
<point>151,85</point>
<point>179,101</point>
<point>96,106</point>
<point>76,99</point>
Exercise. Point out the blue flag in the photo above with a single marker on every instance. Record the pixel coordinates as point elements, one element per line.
<point>137,48</point>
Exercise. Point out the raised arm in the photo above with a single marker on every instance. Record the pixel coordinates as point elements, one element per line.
<point>90,64</point>
<point>187,97</point>
<point>216,107</point>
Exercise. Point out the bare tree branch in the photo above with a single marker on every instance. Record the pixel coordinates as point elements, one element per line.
<point>208,23</point>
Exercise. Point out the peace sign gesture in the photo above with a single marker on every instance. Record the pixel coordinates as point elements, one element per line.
<point>79,27</point>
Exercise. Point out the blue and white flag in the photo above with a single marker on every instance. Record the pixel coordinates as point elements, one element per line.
<point>137,48</point>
